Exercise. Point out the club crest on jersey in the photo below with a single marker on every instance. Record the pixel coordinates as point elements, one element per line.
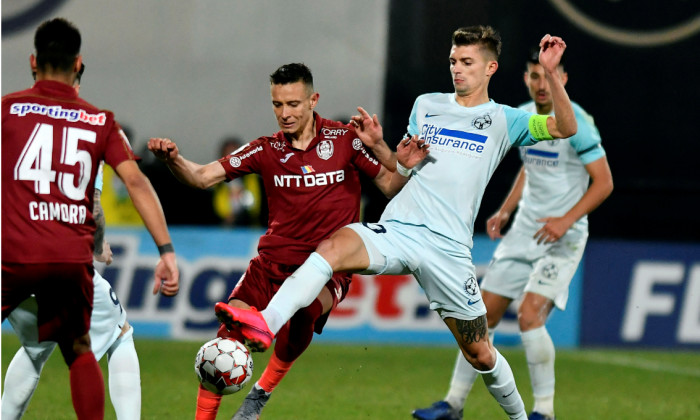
<point>307,169</point>
<point>357,144</point>
<point>235,161</point>
<point>482,122</point>
<point>324,149</point>
<point>471,286</point>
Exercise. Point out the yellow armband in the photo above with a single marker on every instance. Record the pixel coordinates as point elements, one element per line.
<point>538,127</point>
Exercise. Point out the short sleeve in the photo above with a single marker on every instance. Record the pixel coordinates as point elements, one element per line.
<point>245,160</point>
<point>518,126</point>
<point>118,147</point>
<point>413,120</point>
<point>586,141</point>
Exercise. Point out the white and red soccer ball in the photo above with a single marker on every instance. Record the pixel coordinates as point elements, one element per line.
<point>223,365</point>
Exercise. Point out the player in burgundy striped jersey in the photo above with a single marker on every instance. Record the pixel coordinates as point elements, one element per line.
<point>310,170</point>
<point>52,143</point>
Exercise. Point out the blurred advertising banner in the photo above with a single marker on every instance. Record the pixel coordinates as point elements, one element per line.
<point>378,309</point>
<point>641,294</point>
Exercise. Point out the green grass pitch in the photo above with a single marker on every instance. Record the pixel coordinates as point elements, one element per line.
<point>386,382</point>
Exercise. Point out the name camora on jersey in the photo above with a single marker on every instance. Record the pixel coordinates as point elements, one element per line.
<point>68,213</point>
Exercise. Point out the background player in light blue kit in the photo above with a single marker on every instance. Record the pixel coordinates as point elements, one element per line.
<point>539,255</point>
<point>426,229</point>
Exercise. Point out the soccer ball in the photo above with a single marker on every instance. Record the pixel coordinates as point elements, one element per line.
<point>223,365</point>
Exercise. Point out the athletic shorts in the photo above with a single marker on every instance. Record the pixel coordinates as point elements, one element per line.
<point>442,266</point>
<point>63,293</point>
<point>108,318</point>
<point>520,265</point>
<point>263,278</point>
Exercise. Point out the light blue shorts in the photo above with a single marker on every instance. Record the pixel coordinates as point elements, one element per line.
<point>520,265</point>
<point>442,266</point>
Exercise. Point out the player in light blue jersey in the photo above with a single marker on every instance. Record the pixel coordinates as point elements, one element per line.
<point>538,257</point>
<point>426,229</point>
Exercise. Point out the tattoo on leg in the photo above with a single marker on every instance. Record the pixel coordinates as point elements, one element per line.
<point>473,331</point>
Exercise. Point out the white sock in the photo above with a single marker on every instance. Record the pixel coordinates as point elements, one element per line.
<point>501,384</point>
<point>125,378</point>
<point>539,352</point>
<point>297,291</point>
<point>21,379</point>
<point>463,377</point>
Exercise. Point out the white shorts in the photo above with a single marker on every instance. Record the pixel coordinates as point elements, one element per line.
<point>520,265</point>
<point>442,266</point>
<point>108,318</point>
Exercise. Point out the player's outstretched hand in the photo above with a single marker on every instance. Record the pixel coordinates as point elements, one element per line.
<point>411,151</point>
<point>163,149</point>
<point>106,255</point>
<point>496,223</point>
<point>367,127</point>
<point>551,50</point>
<point>167,276</point>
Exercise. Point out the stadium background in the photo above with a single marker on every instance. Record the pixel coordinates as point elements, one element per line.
<point>197,71</point>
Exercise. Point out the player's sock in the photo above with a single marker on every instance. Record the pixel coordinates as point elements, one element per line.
<point>463,377</point>
<point>539,352</point>
<point>87,387</point>
<point>21,379</point>
<point>125,378</point>
<point>501,384</point>
<point>274,372</point>
<point>207,404</point>
<point>297,291</point>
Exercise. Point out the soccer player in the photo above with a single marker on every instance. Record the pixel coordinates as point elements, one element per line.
<point>110,334</point>
<point>426,229</point>
<point>52,143</point>
<point>538,256</point>
<point>310,170</point>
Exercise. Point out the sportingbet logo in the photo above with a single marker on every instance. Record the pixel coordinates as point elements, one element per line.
<point>454,139</point>
<point>59,113</point>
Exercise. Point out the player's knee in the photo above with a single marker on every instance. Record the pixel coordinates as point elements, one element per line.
<point>529,319</point>
<point>328,250</point>
<point>481,356</point>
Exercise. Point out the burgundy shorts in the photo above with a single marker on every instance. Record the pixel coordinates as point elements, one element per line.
<point>63,293</point>
<point>263,278</point>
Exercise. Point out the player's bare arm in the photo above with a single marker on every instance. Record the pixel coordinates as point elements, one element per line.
<point>370,131</point>
<point>186,171</point>
<point>600,188</point>
<point>563,123</point>
<point>102,252</point>
<point>148,205</point>
<point>497,222</point>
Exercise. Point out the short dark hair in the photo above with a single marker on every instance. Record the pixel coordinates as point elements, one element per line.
<point>481,35</point>
<point>534,56</point>
<point>292,73</point>
<point>57,44</point>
